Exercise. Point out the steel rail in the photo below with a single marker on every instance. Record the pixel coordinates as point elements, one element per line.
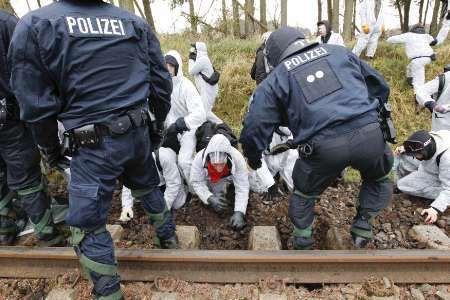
<point>221,266</point>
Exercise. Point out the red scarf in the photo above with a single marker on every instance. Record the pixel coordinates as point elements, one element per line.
<point>216,176</point>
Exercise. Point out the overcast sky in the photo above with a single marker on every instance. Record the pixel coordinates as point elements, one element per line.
<point>302,13</point>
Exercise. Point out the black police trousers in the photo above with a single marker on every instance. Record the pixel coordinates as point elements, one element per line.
<point>364,149</point>
<point>20,170</point>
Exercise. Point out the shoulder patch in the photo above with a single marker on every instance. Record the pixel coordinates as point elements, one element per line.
<point>317,81</point>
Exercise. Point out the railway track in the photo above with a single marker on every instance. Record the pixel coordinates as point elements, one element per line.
<point>402,266</point>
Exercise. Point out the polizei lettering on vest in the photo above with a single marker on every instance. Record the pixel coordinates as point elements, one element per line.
<point>305,57</point>
<point>95,26</point>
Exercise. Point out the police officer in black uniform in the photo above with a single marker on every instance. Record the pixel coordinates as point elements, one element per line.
<point>95,67</point>
<point>20,172</point>
<point>329,99</point>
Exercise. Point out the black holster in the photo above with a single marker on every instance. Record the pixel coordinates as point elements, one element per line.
<point>386,122</point>
<point>91,135</point>
<point>305,150</point>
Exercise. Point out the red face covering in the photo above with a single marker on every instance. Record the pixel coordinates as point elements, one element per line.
<point>215,175</point>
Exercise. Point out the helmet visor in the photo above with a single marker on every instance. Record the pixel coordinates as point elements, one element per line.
<point>217,158</point>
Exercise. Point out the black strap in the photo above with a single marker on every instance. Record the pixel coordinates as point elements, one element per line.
<point>158,164</point>
<point>438,158</point>
<point>441,86</point>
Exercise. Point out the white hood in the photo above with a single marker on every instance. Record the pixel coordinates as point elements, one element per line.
<point>185,101</point>
<point>177,78</point>
<point>202,50</point>
<point>218,143</point>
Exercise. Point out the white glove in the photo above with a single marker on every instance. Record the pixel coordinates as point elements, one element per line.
<point>127,214</point>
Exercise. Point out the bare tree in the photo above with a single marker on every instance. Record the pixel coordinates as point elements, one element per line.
<point>236,21</point>
<point>39,3</point>
<point>249,11</point>
<point>348,20</point>
<point>193,17</point>
<point>148,14</point>
<point>224,16</point>
<point>283,12</point>
<point>330,10</point>
<point>434,18</point>
<point>262,16</point>
<point>426,13</point>
<point>421,3</point>
<point>319,10</point>
<point>335,19</point>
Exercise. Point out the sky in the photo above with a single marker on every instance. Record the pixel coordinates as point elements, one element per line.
<point>301,13</point>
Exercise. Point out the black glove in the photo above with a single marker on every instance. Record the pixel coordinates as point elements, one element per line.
<point>434,42</point>
<point>280,148</point>
<point>171,141</point>
<point>448,16</point>
<point>156,134</point>
<point>237,220</point>
<point>193,55</point>
<point>178,127</point>
<point>45,134</point>
<point>254,163</point>
<point>217,203</point>
<point>430,105</point>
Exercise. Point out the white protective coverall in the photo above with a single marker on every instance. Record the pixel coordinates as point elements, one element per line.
<point>202,184</point>
<point>418,50</point>
<point>208,92</point>
<point>443,32</point>
<point>374,25</point>
<point>185,103</point>
<point>335,39</point>
<point>424,93</point>
<point>175,192</point>
<point>432,181</point>
<point>283,163</point>
<point>440,121</point>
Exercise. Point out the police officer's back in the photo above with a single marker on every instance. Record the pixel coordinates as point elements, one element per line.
<point>329,99</point>
<point>93,66</point>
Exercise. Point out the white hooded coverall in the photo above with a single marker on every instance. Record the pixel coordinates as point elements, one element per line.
<point>432,181</point>
<point>418,50</point>
<point>283,163</point>
<point>369,40</point>
<point>443,32</point>
<point>424,93</point>
<point>169,176</point>
<point>208,92</point>
<point>185,103</point>
<point>335,39</point>
<point>202,184</point>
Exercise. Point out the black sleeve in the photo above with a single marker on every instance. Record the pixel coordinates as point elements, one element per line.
<point>160,80</point>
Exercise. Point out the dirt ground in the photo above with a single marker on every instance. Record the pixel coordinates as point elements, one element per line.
<point>335,209</point>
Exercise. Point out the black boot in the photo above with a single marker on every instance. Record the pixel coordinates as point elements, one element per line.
<point>170,243</point>
<point>361,231</point>
<point>303,243</point>
<point>8,231</point>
